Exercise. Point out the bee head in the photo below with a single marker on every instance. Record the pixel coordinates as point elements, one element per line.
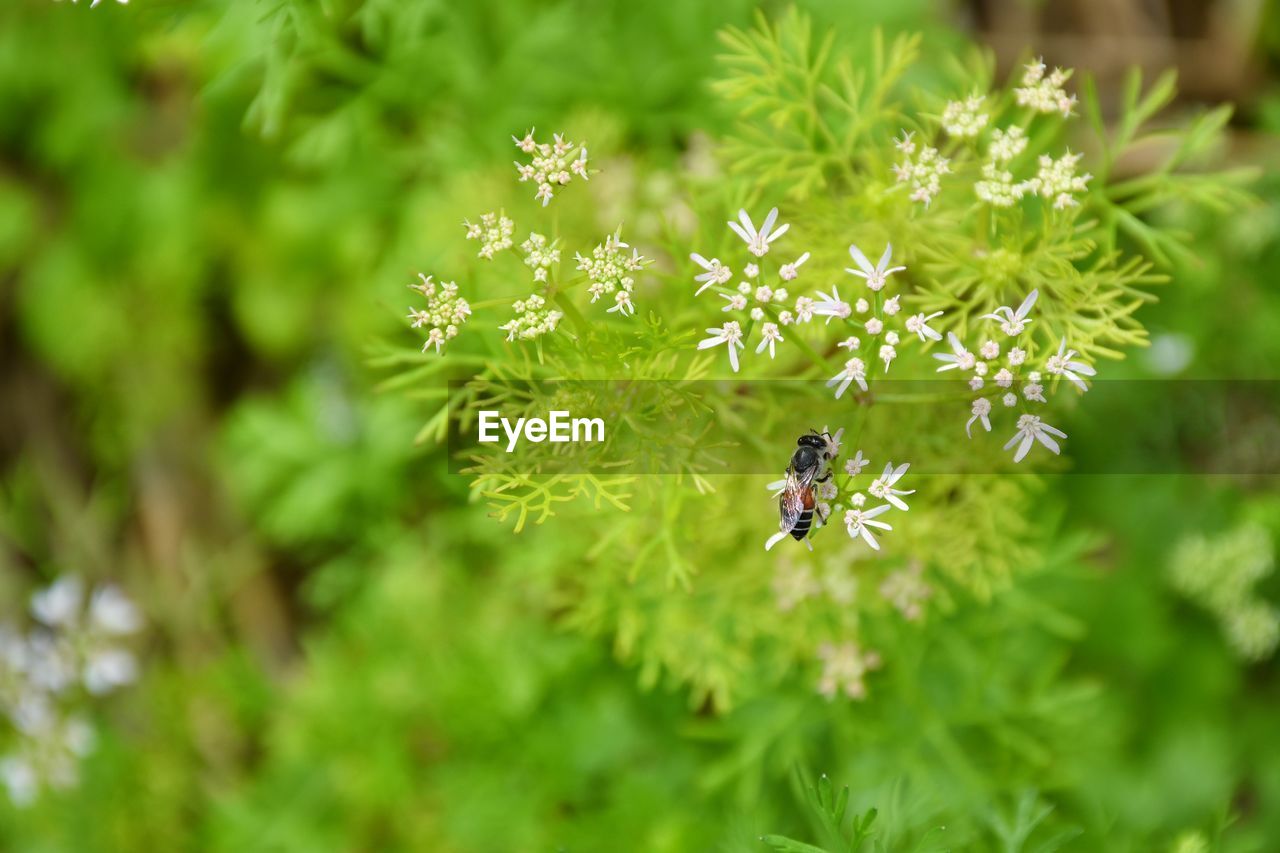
<point>812,439</point>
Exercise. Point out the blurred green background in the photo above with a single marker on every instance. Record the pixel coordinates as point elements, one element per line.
<point>208,214</point>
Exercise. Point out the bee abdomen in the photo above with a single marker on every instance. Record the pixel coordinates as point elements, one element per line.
<point>801,529</point>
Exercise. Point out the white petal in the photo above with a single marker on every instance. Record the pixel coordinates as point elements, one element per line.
<point>861,260</point>
<point>775,539</point>
<point>1025,307</point>
<point>1025,446</point>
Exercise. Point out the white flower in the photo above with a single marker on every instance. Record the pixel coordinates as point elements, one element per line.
<point>1013,322</point>
<point>1030,430</point>
<point>891,305</point>
<point>763,294</point>
<point>862,306</point>
<point>858,499</point>
<point>1004,378</point>
<point>744,287</point>
<point>877,276</point>
<point>757,313</point>
<point>831,305</point>
<point>59,604</point>
<point>1045,94</point>
<point>874,326</point>
<point>989,350</point>
<point>737,302</point>
<point>859,521</point>
<point>445,311</point>
<point>622,303</point>
<point>804,309</point>
<point>832,440</point>
<point>854,371</point>
<point>883,489</point>
<point>981,412</point>
<point>854,466</point>
<point>716,272</point>
<point>788,271</point>
<point>906,144</point>
<point>887,354</point>
<point>533,319</point>
<point>730,333</point>
<point>611,269</point>
<point>780,295</point>
<point>959,357</point>
<point>553,164</point>
<point>919,324</point>
<point>111,612</point>
<point>539,255</point>
<point>1057,180</point>
<point>1010,399</point>
<point>768,336</point>
<point>965,118</point>
<point>493,231</point>
<point>923,173</point>
<point>891,338</point>
<point>850,344</point>
<point>106,669</point>
<point>844,669</point>
<point>998,188</point>
<point>785,318</point>
<point>1063,364</point>
<point>1017,356</point>
<point>751,270</point>
<point>1033,390</point>
<point>1007,144</point>
<point>758,241</point>
<point>976,383</point>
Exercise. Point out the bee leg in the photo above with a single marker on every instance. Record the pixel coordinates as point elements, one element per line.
<point>824,478</point>
<point>807,543</point>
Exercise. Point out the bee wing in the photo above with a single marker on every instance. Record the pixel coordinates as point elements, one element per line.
<point>796,498</point>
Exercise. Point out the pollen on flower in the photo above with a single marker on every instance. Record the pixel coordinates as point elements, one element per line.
<point>963,119</point>
<point>539,255</point>
<point>445,311</point>
<point>493,231</point>
<point>611,270</point>
<point>844,669</point>
<point>552,164</point>
<point>533,319</point>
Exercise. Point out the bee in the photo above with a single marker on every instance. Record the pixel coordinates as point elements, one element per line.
<point>810,464</point>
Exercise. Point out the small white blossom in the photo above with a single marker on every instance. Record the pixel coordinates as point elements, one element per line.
<point>763,294</point>
<point>906,144</point>
<point>1004,378</point>
<point>860,521</point>
<point>862,306</point>
<point>874,326</point>
<point>731,334</point>
<point>533,319</point>
<point>757,313</point>
<point>1030,430</point>
<point>1063,364</point>
<point>976,383</point>
<point>1045,93</point>
<point>785,318</point>
<point>891,338</point>
<point>891,306</point>
<point>737,302</point>
<point>981,412</point>
<point>959,357</point>
<point>853,467</point>
<point>611,269</point>
<point>883,488</point>
<point>539,255</point>
<point>553,164</point>
<point>989,350</point>
<point>716,272</point>
<point>918,324</point>
<point>744,287</point>
<point>1010,399</point>
<point>769,335</point>
<point>923,174</point>
<point>854,371</point>
<point>788,271</point>
<point>1014,322</point>
<point>1007,144</point>
<point>1057,180</point>
<point>1033,390</point>
<point>758,241</point>
<point>1017,356</point>
<point>780,295</point>
<point>751,270</point>
<point>493,231</point>
<point>831,306</point>
<point>804,309</point>
<point>998,188</point>
<point>850,344</point>
<point>963,119</point>
<point>876,276</point>
<point>858,500</point>
<point>445,311</point>
<point>887,354</point>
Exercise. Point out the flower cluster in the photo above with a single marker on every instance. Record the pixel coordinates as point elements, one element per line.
<point>1003,372</point>
<point>965,119</point>
<point>445,311</point>
<point>759,295</point>
<point>1057,180</point>
<point>75,646</point>
<point>844,669</point>
<point>493,231</point>
<point>922,172</point>
<point>533,319</point>
<point>1044,93</point>
<point>539,255</point>
<point>611,271</point>
<point>552,165</point>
